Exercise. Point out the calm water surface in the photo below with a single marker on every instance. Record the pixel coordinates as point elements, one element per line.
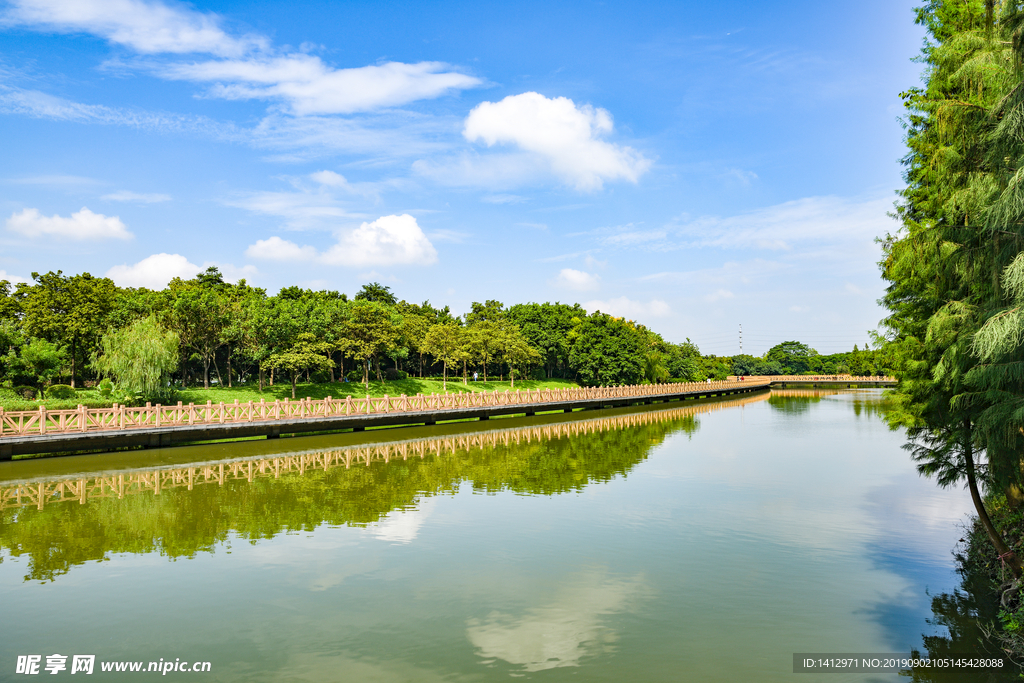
<point>705,543</point>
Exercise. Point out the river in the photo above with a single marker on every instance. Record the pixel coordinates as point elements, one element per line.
<point>708,542</point>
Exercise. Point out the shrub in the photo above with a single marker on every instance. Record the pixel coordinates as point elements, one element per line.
<point>539,374</point>
<point>106,387</point>
<point>354,375</point>
<point>60,391</point>
<point>26,392</point>
<point>393,374</point>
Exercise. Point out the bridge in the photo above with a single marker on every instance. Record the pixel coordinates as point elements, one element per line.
<point>151,426</point>
<point>81,488</point>
<point>823,381</point>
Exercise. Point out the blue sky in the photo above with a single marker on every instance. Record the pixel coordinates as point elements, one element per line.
<point>693,166</point>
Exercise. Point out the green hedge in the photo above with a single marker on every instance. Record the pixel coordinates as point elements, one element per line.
<point>60,392</point>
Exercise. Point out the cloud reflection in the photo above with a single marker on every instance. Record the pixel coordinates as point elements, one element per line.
<point>563,632</point>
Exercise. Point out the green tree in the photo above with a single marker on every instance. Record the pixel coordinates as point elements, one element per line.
<point>140,358</point>
<point>377,293</point>
<point>69,311</point>
<point>547,328</point>
<point>36,362</point>
<point>795,357</point>
<point>444,342</point>
<point>483,342</point>
<point>515,350</point>
<point>606,350</point>
<point>684,362</point>
<point>368,330</point>
<point>958,231</point>
<point>199,314</point>
<point>305,353</point>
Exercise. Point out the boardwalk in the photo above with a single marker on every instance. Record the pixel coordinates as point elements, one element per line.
<point>93,429</point>
<point>84,429</point>
<point>41,492</point>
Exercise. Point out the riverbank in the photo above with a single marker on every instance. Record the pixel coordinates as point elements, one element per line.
<point>91,398</point>
<point>1000,599</point>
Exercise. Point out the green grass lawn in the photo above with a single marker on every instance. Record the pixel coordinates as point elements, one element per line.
<point>250,392</point>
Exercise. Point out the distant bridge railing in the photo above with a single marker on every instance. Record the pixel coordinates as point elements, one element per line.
<point>852,379</point>
<point>120,417</point>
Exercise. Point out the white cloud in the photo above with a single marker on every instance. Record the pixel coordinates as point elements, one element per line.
<point>309,86</point>
<point>154,272</point>
<point>389,240</point>
<point>503,199</point>
<point>565,135</point>
<point>147,27</point>
<point>44,106</point>
<point>720,294</point>
<point>277,249</point>
<point>301,210</point>
<point>13,279</point>
<point>142,198</point>
<point>782,226</point>
<point>491,171</point>
<point>577,280</point>
<point>81,225</point>
<point>624,307</point>
<point>56,180</point>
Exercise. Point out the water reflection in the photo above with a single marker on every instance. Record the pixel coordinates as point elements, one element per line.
<point>961,613</point>
<point>179,511</point>
<point>562,632</point>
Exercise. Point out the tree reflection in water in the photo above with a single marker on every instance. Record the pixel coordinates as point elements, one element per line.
<point>179,521</point>
<point>962,613</point>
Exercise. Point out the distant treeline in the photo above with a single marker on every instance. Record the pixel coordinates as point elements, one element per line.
<point>62,329</point>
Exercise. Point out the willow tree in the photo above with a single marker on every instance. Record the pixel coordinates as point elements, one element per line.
<point>139,357</point>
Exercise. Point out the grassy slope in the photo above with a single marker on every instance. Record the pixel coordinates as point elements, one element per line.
<point>250,392</point>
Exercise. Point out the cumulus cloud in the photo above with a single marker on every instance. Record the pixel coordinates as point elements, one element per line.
<point>81,225</point>
<point>154,272</point>
<point>126,196</point>
<point>565,135</point>
<point>624,307</point>
<point>387,241</point>
<point>309,86</point>
<point>277,249</point>
<point>577,280</point>
<point>147,27</point>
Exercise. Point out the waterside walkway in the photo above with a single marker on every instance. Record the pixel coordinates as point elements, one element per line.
<point>152,426</point>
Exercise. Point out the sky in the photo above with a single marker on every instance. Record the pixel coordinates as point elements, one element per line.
<point>697,167</point>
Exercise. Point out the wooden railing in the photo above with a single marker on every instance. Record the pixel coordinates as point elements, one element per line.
<point>853,379</point>
<point>119,417</point>
<point>83,488</point>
